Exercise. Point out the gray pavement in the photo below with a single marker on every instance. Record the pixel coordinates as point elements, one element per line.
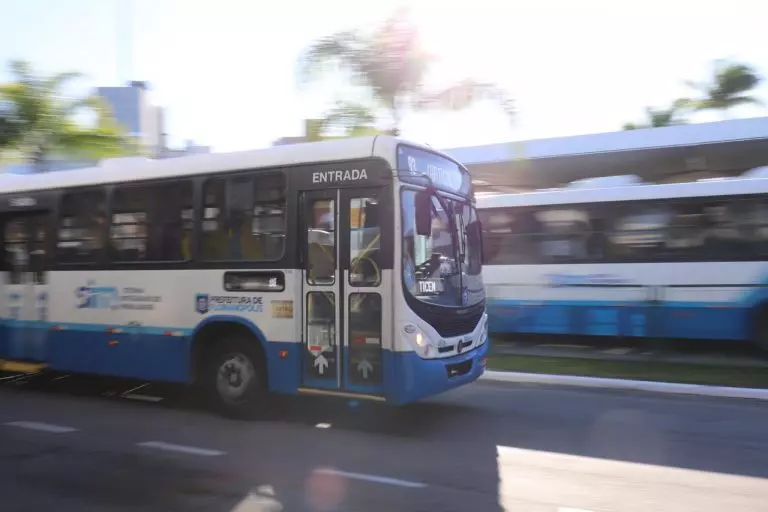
<point>487,447</point>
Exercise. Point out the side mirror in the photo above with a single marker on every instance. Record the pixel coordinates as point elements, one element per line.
<point>423,214</point>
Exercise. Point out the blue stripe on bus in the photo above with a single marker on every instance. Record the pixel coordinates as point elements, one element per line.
<point>694,320</point>
<point>149,353</point>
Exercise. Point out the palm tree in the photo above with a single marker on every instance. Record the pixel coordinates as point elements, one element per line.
<point>391,65</point>
<point>44,119</point>
<point>729,87</point>
<point>658,117</point>
<point>349,119</point>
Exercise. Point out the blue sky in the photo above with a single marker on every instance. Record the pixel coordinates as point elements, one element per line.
<point>225,69</point>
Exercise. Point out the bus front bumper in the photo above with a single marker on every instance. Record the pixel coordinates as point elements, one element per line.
<point>417,378</point>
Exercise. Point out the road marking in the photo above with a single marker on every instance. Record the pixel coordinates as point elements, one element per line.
<point>144,398</point>
<point>180,448</point>
<point>41,427</point>
<point>619,351</point>
<point>374,478</point>
<point>569,509</point>
<point>136,388</point>
<point>552,345</point>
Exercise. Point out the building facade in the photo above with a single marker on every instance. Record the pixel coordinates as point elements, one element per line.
<point>133,110</point>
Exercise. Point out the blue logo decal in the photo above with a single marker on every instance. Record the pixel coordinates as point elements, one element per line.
<point>201,303</point>
<point>97,297</point>
<point>464,296</point>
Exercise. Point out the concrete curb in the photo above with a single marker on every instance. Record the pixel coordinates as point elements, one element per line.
<point>623,384</point>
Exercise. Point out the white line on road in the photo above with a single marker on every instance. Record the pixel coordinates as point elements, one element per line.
<point>568,509</point>
<point>140,386</point>
<point>144,398</point>
<point>180,448</point>
<point>41,427</point>
<point>374,478</point>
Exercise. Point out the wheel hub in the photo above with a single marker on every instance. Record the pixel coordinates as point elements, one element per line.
<point>234,376</point>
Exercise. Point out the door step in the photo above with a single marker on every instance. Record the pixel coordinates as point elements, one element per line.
<point>21,367</point>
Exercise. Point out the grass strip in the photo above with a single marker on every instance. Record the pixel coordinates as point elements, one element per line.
<point>743,377</point>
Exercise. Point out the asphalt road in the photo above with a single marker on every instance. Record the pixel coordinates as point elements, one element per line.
<point>487,447</point>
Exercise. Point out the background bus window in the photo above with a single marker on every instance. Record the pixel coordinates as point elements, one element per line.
<point>564,235</point>
<point>148,222</point>
<point>244,218</point>
<point>364,242</point>
<point>321,242</point>
<point>82,227</point>
<point>640,232</point>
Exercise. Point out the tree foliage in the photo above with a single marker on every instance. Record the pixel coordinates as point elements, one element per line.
<point>40,121</point>
<point>728,88</point>
<point>391,65</point>
<point>659,117</point>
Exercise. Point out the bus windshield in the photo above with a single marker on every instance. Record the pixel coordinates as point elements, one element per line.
<point>443,268</point>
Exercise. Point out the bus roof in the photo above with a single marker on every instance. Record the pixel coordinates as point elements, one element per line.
<point>120,170</point>
<point>722,148</point>
<point>704,188</point>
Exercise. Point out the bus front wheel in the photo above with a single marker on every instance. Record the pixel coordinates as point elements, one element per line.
<point>235,378</point>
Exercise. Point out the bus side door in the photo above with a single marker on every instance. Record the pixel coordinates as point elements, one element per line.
<point>26,292</point>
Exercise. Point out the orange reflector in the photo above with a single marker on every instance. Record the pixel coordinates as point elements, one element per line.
<point>283,354</point>
<point>112,343</point>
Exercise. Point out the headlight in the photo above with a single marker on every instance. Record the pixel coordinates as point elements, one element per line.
<point>418,340</point>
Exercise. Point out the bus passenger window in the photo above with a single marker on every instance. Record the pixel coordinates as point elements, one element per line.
<point>364,242</point>
<point>148,222</point>
<point>82,226</point>
<point>244,218</point>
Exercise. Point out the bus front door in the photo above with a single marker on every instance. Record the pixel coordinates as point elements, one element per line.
<point>342,281</point>
<point>25,287</point>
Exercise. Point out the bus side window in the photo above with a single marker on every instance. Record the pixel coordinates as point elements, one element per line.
<point>148,222</point>
<point>82,225</point>
<point>244,218</point>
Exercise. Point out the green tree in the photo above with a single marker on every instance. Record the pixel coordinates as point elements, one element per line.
<point>345,119</point>
<point>729,87</point>
<point>391,65</point>
<point>658,117</point>
<point>10,125</point>
<point>42,121</point>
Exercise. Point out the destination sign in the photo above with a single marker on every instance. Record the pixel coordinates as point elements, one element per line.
<point>444,173</point>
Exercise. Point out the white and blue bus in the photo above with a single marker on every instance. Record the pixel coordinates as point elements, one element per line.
<point>616,257</point>
<point>348,268</point>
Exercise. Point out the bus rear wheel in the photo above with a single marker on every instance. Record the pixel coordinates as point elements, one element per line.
<point>234,379</point>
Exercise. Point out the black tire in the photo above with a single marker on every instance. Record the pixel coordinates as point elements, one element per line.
<point>237,357</point>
